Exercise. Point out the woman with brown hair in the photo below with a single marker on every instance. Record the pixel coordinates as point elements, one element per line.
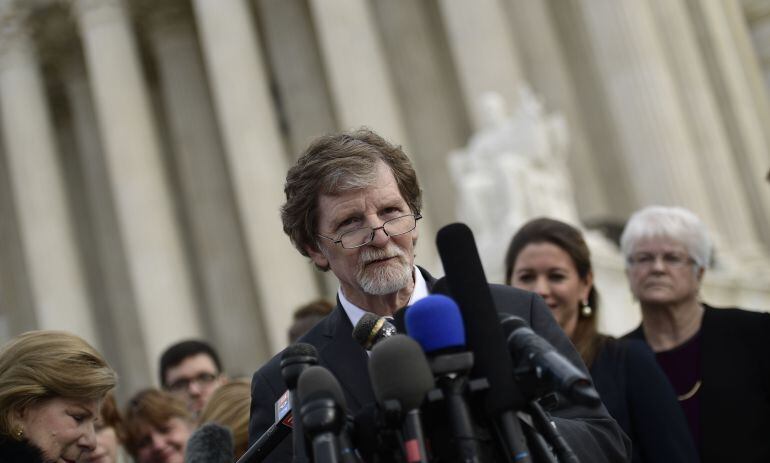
<point>551,258</point>
<point>157,427</point>
<point>52,385</point>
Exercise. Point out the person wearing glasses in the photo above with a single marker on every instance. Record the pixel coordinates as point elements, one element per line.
<point>353,207</point>
<point>191,371</point>
<point>716,359</point>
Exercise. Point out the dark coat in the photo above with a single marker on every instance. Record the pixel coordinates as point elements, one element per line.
<point>735,390</point>
<point>640,398</point>
<point>591,432</point>
<point>14,451</point>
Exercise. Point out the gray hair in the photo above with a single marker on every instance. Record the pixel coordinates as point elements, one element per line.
<point>676,223</point>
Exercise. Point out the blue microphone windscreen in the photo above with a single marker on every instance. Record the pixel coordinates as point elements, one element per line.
<point>436,323</point>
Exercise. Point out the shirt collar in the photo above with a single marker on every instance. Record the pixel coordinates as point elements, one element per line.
<point>355,313</point>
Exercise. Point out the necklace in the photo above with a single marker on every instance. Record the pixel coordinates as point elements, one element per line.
<point>689,394</point>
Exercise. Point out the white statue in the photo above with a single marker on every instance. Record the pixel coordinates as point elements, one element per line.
<point>513,170</point>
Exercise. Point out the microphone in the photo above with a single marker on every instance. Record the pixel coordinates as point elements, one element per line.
<point>294,360</point>
<point>468,286</point>
<point>211,443</point>
<point>323,416</point>
<point>372,329</point>
<point>274,435</point>
<point>435,322</point>
<point>401,378</point>
<point>552,369</point>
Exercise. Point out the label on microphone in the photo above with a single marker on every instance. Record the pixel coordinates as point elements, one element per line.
<point>412,448</point>
<point>282,407</point>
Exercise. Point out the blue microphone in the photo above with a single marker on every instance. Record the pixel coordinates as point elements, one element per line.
<point>436,324</point>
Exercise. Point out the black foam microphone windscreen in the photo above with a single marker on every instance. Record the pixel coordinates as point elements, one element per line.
<point>400,374</point>
<point>399,370</point>
<point>371,329</point>
<point>468,286</point>
<point>211,443</point>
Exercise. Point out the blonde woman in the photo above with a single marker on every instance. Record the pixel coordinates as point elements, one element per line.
<point>229,407</point>
<point>52,385</point>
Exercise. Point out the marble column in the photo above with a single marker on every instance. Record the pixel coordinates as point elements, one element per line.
<point>484,52</point>
<point>593,107</point>
<point>758,16</point>
<point>120,325</point>
<point>52,260</point>
<point>736,100</point>
<point>432,102</point>
<point>17,303</point>
<point>362,89</point>
<point>543,61</point>
<point>256,159</point>
<point>217,243</point>
<point>717,166</point>
<point>295,61</point>
<point>143,202</point>
<point>643,99</point>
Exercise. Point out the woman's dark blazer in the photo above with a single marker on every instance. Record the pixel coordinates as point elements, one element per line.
<point>638,395</point>
<point>735,390</point>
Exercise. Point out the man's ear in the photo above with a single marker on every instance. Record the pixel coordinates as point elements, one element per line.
<point>317,256</point>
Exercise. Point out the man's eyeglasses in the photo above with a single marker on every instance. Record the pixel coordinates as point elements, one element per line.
<point>362,236</point>
<point>644,260</point>
<point>183,384</point>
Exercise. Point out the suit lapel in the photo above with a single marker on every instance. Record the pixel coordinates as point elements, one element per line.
<point>347,361</point>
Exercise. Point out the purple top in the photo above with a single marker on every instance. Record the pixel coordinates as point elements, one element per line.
<point>682,366</point>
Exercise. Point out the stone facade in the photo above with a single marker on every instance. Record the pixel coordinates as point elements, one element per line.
<point>144,144</point>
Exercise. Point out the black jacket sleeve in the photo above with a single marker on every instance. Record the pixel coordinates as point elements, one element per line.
<point>590,431</point>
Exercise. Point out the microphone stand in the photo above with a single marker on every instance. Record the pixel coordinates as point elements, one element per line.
<point>544,425</point>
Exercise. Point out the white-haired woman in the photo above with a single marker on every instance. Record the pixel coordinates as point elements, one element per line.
<point>716,359</point>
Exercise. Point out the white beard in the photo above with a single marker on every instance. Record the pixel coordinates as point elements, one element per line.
<point>383,279</point>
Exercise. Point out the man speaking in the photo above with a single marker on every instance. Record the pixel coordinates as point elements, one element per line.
<point>353,207</point>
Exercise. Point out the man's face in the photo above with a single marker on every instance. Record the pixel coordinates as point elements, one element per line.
<point>661,273</point>
<point>194,380</point>
<point>381,267</point>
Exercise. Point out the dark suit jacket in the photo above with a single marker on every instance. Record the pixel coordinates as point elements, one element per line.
<point>591,433</point>
<point>638,395</point>
<point>735,390</point>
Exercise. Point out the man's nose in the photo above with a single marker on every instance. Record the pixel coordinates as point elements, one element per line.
<point>380,238</point>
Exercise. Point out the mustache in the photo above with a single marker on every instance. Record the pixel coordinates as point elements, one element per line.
<point>371,254</point>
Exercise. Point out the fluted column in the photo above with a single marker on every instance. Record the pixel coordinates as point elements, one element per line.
<point>758,16</point>
<point>642,97</point>
<point>717,166</point>
<point>544,64</point>
<point>212,219</point>
<point>108,265</point>
<point>153,241</point>
<point>256,159</point>
<point>362,91</point>
<point>51,257</point>
<point>295,61</point>
<point>432,103</point>
<point>742,106</point>
<point>482,45</point>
